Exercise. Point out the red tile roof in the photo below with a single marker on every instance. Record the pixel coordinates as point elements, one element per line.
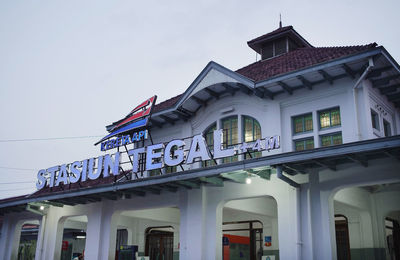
<point>298,59</point>
<point>166,104</point>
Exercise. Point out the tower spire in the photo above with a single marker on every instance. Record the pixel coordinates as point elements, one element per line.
<point>280,21</point>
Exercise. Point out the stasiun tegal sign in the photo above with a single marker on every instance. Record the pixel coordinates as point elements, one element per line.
<point>172,153</point>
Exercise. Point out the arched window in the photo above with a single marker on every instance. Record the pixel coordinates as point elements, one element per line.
<point>209,135</point>
<point>230,128</point>
<point>251,132</point>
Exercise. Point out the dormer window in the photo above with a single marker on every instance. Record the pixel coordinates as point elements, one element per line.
<point>274,48</point>
<point>278,42</point>
<point>267,51</point>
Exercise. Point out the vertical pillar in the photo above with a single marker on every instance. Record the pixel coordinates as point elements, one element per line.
<point>306,237</point>
<point>10,235</point>
<point>40,237</point>
<point>101,233</point>
<point>53,234</point>
<point>322,221</point>
<point>15,238</point>
<point>200,226</point>
<point>288,224</point>
<point>4,238</point>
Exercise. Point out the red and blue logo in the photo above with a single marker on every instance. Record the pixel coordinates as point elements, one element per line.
<point>136,120</point>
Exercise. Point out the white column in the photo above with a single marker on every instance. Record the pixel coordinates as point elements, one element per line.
<point>322,220</point>
<point>306,236</point>
<point>8,237</point>
<point>5,235</point>
<point>288,224</point>
<point>200,226</point>
<point>40,237</point>
<point>15,238</point>
<point>101,233</point>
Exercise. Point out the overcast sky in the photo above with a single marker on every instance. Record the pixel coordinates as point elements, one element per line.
<point>69,68</point>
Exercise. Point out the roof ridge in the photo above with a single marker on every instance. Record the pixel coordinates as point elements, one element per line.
<point>373,44</point>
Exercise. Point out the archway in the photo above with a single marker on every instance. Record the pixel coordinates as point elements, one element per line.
<point>250,229</point>
<point>153,233</point>
<point>370,214</point>
<point>74,237</point>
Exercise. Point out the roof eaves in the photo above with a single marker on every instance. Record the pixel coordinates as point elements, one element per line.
<point>320,66</point>
<point>390,59</point>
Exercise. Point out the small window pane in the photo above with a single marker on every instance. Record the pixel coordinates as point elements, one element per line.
<point>325,119</point>
<point>337,139</point>
<point>299,146</point>
<point>335,114</point>
<point>304,144</point>
<point>308,123</point>
<point>326,141</point>
<point>302,123</point>
<point>333,139</point>
<point>298,125</point>
<point>375,120</point>
<point>251,132</point>
<point>267,51</point>
<point>280,46</point>
<point>230,130</point>
<point>329,118</point>
<point>248,129</point>
<point>310,144</point>
<point>387,128</point>
<point>210,143</point>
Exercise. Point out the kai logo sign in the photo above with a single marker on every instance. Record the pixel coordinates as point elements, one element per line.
<point>129,129</point>
<point>172,153</point>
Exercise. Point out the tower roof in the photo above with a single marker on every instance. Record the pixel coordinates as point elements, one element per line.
<point>288,31</point>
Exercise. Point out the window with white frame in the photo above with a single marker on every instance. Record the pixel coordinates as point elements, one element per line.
<point>329,118</point>
<point>302,123</point>
<point>304,144</point>
<point>331,139</point>
<point>381,120</point>
<point>306,137</point>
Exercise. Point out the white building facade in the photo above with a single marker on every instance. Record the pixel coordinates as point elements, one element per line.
<point>330,189</point>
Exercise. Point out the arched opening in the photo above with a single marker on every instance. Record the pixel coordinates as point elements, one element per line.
<point>363,227</point>
<point>28,240</point>
<point>250,229</point>
<point>74,238</point>
<point>152,233</point>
